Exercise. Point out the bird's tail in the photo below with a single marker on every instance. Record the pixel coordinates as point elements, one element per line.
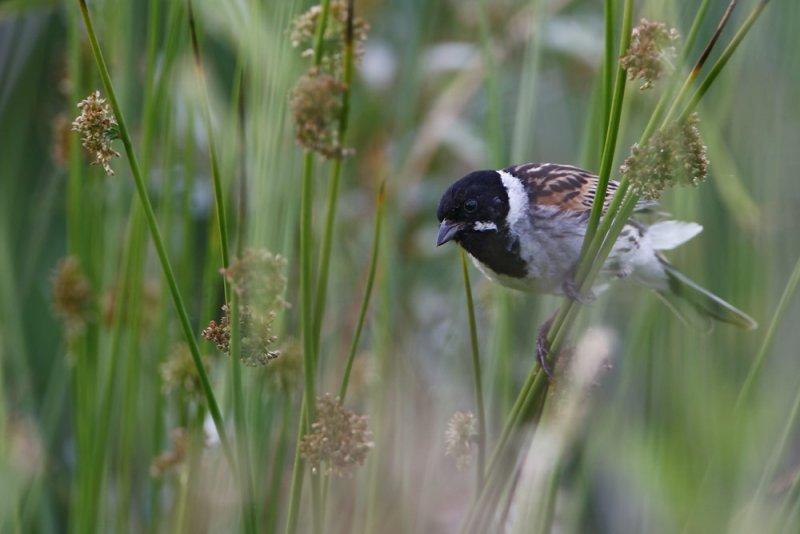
<point>682,291</point>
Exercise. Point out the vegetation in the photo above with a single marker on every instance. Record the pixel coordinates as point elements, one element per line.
<point>221,306</point>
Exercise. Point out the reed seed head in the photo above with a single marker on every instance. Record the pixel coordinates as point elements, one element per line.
<point>258,278</point>
<point>339,439</point>
<point>303,35</point>
<point>651,52</point>
<point>317,99</point>
<point>98,128</point>
<point>220,333</point>
<point>258,345</point>
<point>673,155</point>
<point>316,105</point>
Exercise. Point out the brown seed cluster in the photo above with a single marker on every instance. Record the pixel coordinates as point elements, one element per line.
<point>339,439</point>
<point>459,438</point>
<point>303,33</point>
<point>317,99</point>
<point>220,333</point>
<point>258,278</point>
<point>316,105</point>
<point>98,128</point>
<point>258,342</point>
<point>650,53</point>
<point>259,281</point>
<point>72,293</point>
<point>673,155</point>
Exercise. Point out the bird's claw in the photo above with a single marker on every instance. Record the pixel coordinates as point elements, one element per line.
<point>543,347</point>
<point>572,290</point>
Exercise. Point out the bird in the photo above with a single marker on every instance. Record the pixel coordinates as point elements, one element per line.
<point>523,227</point>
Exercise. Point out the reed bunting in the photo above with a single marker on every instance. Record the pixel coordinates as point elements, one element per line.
<point>524,225</point>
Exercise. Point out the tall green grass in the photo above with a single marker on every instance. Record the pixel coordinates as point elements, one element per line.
<point>684,432</point>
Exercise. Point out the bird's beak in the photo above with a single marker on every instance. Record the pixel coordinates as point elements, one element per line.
<point>447,231</point>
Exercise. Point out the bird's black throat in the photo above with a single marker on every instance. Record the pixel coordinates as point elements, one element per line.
<point>497,250</point>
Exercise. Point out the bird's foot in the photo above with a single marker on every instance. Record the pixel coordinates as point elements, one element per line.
<point>571,289</point>
<point>543,347</point>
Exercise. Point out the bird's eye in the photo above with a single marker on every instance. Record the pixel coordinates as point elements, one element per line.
<point>470,205</point>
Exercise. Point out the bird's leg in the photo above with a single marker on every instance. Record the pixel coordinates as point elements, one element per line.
<point>543,348</point>
<point>571,289</point>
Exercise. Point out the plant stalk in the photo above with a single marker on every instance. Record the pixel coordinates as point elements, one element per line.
<point>155,232</point>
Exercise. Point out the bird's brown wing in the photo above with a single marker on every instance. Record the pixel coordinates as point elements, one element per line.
<point>565,186</point>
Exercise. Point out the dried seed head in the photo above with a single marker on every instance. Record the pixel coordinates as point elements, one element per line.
<point>339,439</point>
<point>303,32</point>
<point>220,333</point>
<point>98,128</point>
<point>460,436</point>
<point>258,342</point>
<point>316,105</point>
<point>72,293</point>
<point>316,99</point>
<point>673,155</point>
<point>258,278</point>
<point>650,53</point>
<point>259,345</point>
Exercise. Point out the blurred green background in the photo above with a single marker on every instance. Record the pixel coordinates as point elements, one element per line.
<point>442,88</point>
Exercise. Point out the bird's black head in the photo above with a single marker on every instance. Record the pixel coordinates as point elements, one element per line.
<point>474,205</point>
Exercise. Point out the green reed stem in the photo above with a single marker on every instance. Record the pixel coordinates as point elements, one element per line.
<point>697,23</point>
<point>244,470</point>
<point>307,318</point>
<point>777,318</point>
<point>535,385</point>
<point>216,179</point>
<point>309,347</point>
<point>494,100</point>
<point>701,60</point>
<point>533,393</point>
<point>667,94</point>
<point>597,227</point>
<point>296,489</point>
<point>609,59</point>
<point>476,372</point>
<point>610,144</point>
<point>595,247</point>
<point>723,60</point>
<point>547,506</point>
<point>362,314</point>
<point>158,242</point>
<point>325,248</point>
<point>333,186</point>
<point>586,267</point>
